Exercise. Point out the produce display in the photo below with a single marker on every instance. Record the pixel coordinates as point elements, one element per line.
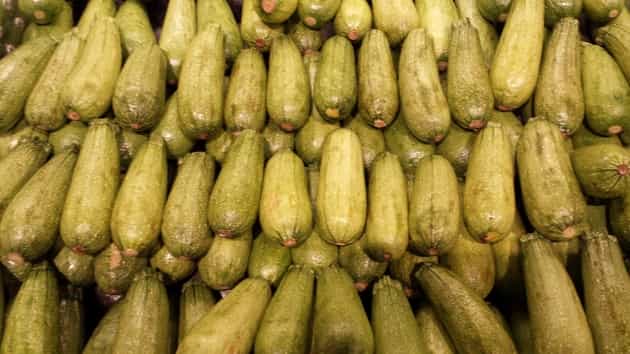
<point>314,176</point>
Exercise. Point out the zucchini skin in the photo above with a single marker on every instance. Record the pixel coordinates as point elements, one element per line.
<point>134,25</point>
<point>316,13</point>
<point>601,170</point>
<point>256,33</point>
<point>363,269</point>
<point>177,143</point>
<point>353,19</point>
<point>94,10</point>
<point>315,253</point>
<point>195,302</point>
<point>114,271</point>
<point>396,18</point>
<point>103,336</point>
<point>437,18</point>
<point>432,331</point>
<point>400,141</point>
<point>226,262</point>
<point>488,37</point>
<point>178,30</point>
<point>219,12</point>
<point>245,106</point>
<point>268,260</point>
<point>77,268</point>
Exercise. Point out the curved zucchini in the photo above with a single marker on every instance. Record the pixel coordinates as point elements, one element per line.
<point>195,301</point>
<point>353,19</point>
<point>114,271</point>
<point>276,139</point>
<point>135,28</point>
<point>225,264</point>
<point>185,230</point>
<point>200,90</point>
<point>20,71</point>
<point>140,91</point>
<point>94,10</point>
<point>178,30</point>
<point>340,324</point>
<point>219,12</point>
<point>514,77</point>
<point>470,96</point>
<point>558,322</point>
<point>288,92</point>
<point>285,327</point>
<point>268,260</point>
<point>402,269</point>
<point>400,141</point>
<point>77,268</point>
<point>245,99</point>
<point>254,31</point>
<point>602,170</point>
<point>306,39</point>
<point>316,13</point>
<point>432,332</point>
<point>488,37</point>
<point>335,92</point>
<point>137,213</point>
<point>177,143</point>
<point>103,336</point>
<point>285,210</point>
<point>437,18</point>
<point>559,95</point>
<point>40,12</point>
<point>456,148</point>
<point>44,108</point>
<point>234,200</point>
<point>309,140</point>
<point>423,104</point>
<point>551,193</point>
<point>276,11</point>
<point>378,88</point>
<point>372,139</point>
<point>174,269</point>
<point>434,207</point>
<point>363,269</point>
<point>89,88</point>
<point>341,195</point>
<point>616,38</point>
<point>396,18</point>
<point>315,253</point>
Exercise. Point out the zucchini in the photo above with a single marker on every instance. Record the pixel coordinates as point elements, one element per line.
<point>103,336</point>
<point>219,12</point>
<point>335,92</point>
<point>276,11</point>
<point>134,25</point>
<point>437,18</point>
<point>456,148</point>
<point>40,12</point>
<point>315,253</point>
<point>432,332</point>
<point>585,137</point>
<point>195,301</point>
<point>353,19</point>
<point>178,30</point>
<point>94,10</point>
<point>77,268</point>
<point>306,39</point>
<point>402,269</point>
<point>225,264</point>
<point>507,260</point>
<point>71,320</point>
<point>254,31</point>
<point>174,269</point>
<point>488,37</point>
<point>114,271</point>
<point>396,18</point>
<point>309,140</point>
<point>372,139</point>
<point>277,139</point>
<point>400,141</point>
<point>316,13</point>
<point>245,99</point>
<point>268,260</point>
<point>363,269</point>
<point>602,170</point>
<point>177,143</point>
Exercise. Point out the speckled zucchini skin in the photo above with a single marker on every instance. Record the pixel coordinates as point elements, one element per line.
<point>378,90</point>
<point>19,134</point>
<point>268,260</point>
<point>456,148</point>
<point>175,269</point>
<point>316,13</point>
<point>21,69</point>
<point>396,18</point>
<point>276,11</point>
<point>104,335</point>
<point>245,99</point>
<point>178,30</point>
<point>38,302</point>
<point>553,200</point>
<point>309,140</point>
<point>514,77</point>
<point>177,143</point>
<point>256,33</point>
<point>341,195</point>
<point>234,200</point>
<point>143,323</point>
<point>226,262</point>
<point>288,91</point>
<point>285,210</point>
<point>456,305</point>
<point>195,302</point>
<point>219,145</point>
<point>423,103</point>
<point>335,92</point>
<point>114,271</point>
<point>488,37</point>
<point>200,93</point>
<point>353,19</point>
<point>363,269</point>
<point>71,320</point>
<point>602,11</point>
<point>372,139</point>
<point>88,90</point>
<point>277,139</point>
<point>437,18</point>
<point>402,269</point>
<point>135,28</point>
<point>315,252</point>
<point>306,39</point>
<point>340,325</point>
<point>62,24</point>
<point>77,268</point>
<point>432,332</point>
<point>40,12</point>
<point>94,10</point>
<point>507,261</point>
<point>616,38</point>
<point>185,230</point>
<point>232,324</point>
<point>219,12</point>
<point>585,137</point>
<point>44,108</point>
<point>602,170</point>
<point>85,221</point>
<point>285,327</point>
<point>29,225</point>
<point>557,318</point>
<point>400,141</point>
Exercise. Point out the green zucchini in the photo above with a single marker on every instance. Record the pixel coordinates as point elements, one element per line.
<point>285,210</point>
<point>309,140</point>
<point>19,134</point>
<point>276,11</point>
<point>140,91</point>
<point>402,270</point>
<point>363,269</point>
<point>616,39</point>
<point>144,317</point>
<point>470,96</point>
<point>340,325</point>
<point>195,301</point>
<point>40,12</point>
<point>114,271</point>
<point>558,322</point>
<point>85,221</point>
<point>102,339</point>
<point>602,11</point>
<point>134,25</point>
<point>551,193</point>
<point>60,25</point>
<point>507,261</point>
<point>456,148</point>
<point>137,212</point>
<point>174,269</point>
<point>245,98</point>
<point>488,37</point>
<point>341,195</point>
<point>219,12</point>
<point>285,327</point>
<point>316,13</point>
<point>256,33</point>
<point>400,141</point>
<point>44,108</point>
<point>178,30</point>
<point>71,320</point>
<point>511,124</point>
<point>315,253</point>
<point>457,306</point>
<point>177,143</point>
<point>353,19</point>
<point>514,77</point>
<point>77,268</point>
<point>372,139</point>
<point>288,92</point>
<point>268,260</point>
<point>20,71</point>
<point>396,18</point>
<point>378,89</point>
<point>306,39</point>
<point>602,170</point>
<point>558,94</point>
<point>130,143</point>
<point>226,262</point>
<point>276,139</point>
<point>395,328</point>
<point>28,229</point>
<point>606,92</point>
<point>606,292</point>
<point>596,218</point>
<point>495,11</point>
<point>37,301</point>
<point>423,103</point>
<point>185,230</point>
<point>231,325</point>
<point>432,332</point>
<point>387,226</point>
<point>437,18</point>
<point>94,10</point>
<point>234,200</point>
<point>335,92</point>
<point>585,137</point>
<point>434,208</point>
<point>89,88</point>
<point>219,145</point>
<point>200,91</point>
